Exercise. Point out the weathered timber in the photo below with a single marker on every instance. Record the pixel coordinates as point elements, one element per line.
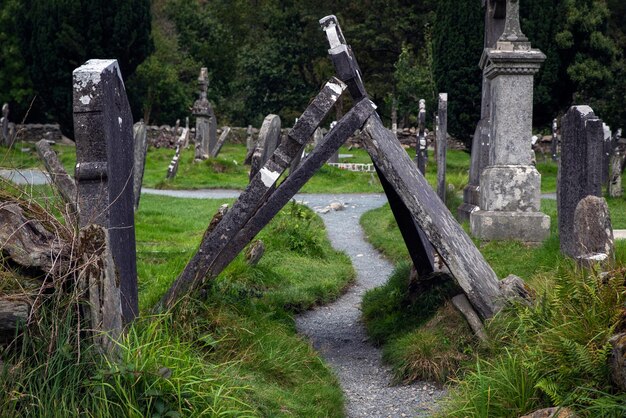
<point>12,313</point>
<point>352,121</point>
<point>260,186</point>
<point>220,142</point>
<point>63,182</point>
<point>442,144</point>
<point>466,263</point>
<point>140,145</point>
<point>347,69</point>
<point>421,151</point>
<point>463,305</point>
<point>172,169</point>
<point>103,129</point>
<point>269,138</point>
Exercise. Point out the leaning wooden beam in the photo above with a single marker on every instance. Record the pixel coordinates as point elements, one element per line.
<point>63,182</point>
<point>347,69</point>
<point>466,263</point>
<point>352,121</point>
<point>260,186</point>
<point>172,169</point>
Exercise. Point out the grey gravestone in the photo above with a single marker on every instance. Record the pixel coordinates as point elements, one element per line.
<point>269,138</point>
<point>593,233</point>
<point>4,125</point>
<point>441,133</point>
<point>615,173</point>
<point>140,141</point>
<point>495,13</point>
<point>172,169</point>
<point>554,145</point>
<point>334,159</point>
<point>394,116</point>
<point>510,186</point>
<point>220,142</point>
<point>103,130</point>
<point>206,125</point>
<point>606,153</point>
<point>580,168</point>
<point>421,155</point>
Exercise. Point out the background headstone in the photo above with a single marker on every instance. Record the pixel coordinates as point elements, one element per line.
<point>103,129</point>
<point>554,145</point>
<point>421,153</point>
<point>593,233</point>
<point>580,168</point>
<point>4,126</point>
<point>206,125</point>
<point>220,142</point>
<point>269,138</point>
<point>441,134</point>
<point>140,141</point>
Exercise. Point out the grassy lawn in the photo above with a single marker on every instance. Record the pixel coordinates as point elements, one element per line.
<point>231,350</point>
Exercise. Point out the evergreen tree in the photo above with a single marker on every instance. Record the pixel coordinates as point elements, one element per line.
<point>59,35</point>
<point>457,47</point>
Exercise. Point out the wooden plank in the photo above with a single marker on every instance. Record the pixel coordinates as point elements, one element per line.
<point>257,192</point>
<point>352,121</point>
<point>477,279</point>
<point>347,69</point>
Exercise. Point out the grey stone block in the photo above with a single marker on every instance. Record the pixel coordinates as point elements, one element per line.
<point>510,188</point>
<point>531,227</point>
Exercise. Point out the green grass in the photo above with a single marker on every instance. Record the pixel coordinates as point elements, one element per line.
<point>231,350</point>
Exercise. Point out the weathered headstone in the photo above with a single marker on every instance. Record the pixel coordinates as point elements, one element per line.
<point>580,168</point>
<point>593,232</point>
<point>394,115</point>
<point>554,145</point>
<point>269,138</point>
<point>510,186</point>
<point>140,141</point>
<point>103,130</point>
<point>206,125</point>
<point>172,169</point>
<point>441,133</point>
<point>220,142</point>
<point>421,153</point>
<point>4,125</point>
<point>607,150</point>
<point>495,13</point>
<point>615,174</point>
<point>617,360</point>
<point>334,159</point>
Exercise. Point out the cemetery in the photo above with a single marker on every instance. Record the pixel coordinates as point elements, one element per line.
<point>379,247</point>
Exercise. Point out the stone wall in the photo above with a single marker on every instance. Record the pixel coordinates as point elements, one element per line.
<point>37,132</point>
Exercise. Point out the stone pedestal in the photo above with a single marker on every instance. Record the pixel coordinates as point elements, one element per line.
<point>510,185</point>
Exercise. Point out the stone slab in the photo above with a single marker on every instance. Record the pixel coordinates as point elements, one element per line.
<point>531,227</point>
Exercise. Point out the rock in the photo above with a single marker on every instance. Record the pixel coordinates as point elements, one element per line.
<point>554,412</point>
<point>617,361</point>
<point>254,252</point>
<point>337,206</point>
<point>513,287</point>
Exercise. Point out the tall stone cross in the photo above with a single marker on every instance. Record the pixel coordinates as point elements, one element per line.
<point>510,185</point>
<point>206,125</point>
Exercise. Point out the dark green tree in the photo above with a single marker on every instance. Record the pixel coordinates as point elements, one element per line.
<point>59,35</point>
<point>457,47</point>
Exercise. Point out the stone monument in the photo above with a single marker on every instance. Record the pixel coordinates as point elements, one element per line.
<point>4,125</point>
<point>495,13</point>
<point>421,153</point>
<point>441,134</point>
<point>206,124</point>
<point>510,186</point>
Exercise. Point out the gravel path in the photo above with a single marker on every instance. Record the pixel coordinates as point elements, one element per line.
<point>337,333</point>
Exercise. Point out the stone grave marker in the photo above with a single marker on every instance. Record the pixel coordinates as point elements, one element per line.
<point>615,173</point>
<point>510,186</point>
<point>221,141</point>
<point>206,125</point>
<point>334,159</point>
<point>394,115</point>
<point>441,132</point>
<point>554,145</point>
<point>421,152</point>
<point>269,138</point>
<point>580,169</point>
<point>607,151</point>
<point>593,233</point>
<point>103,129</point>
<point>172,169</point>
<point>140,141</point>
<point>4,126</point>
<point>495,13</point>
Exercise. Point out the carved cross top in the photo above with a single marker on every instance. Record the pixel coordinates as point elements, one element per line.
<point>512,30</point>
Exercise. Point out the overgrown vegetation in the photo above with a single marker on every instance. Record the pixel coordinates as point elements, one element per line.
<point>231,350</point>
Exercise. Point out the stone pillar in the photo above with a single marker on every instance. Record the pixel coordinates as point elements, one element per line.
<point>4,126</point>
<point>206,125</point>
<point>421,155</point>
<point>580,169</point>
<point>103,130</point>
<point>441,134</point>
<point>554,146</point>
<point>394,116</point>
<point>495,13</point>
<point>510,187</point>
<point>140,140</point>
